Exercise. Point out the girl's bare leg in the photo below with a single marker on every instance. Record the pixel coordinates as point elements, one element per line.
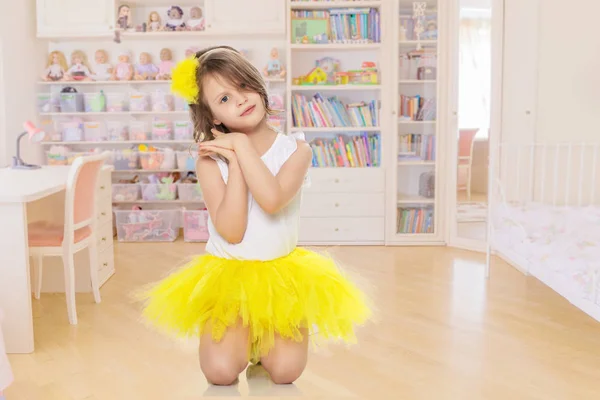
<point>222,362</point>
<point>287,360</point>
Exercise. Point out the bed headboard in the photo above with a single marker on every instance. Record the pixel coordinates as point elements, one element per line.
<point>561,174</point>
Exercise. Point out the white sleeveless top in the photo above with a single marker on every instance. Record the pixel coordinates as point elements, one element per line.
<point>267,236</point>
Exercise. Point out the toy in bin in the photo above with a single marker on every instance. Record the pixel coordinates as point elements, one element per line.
<point>161,130</point>
<point>160,187</point>
<point>195,225</point>
<point>153,158</point>
<point>148,225</point>
<point>125,159</point>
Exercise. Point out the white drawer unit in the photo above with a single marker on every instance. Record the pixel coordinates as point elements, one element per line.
<point>350,231</point>
<point>343,206</point>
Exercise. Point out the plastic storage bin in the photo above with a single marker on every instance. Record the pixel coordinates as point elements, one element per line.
<point>147,225</point>
<point>126,159</point>
<point>56,158</point>
<point>72,131</point>
<point>94,102</point>
<point>195,225</point>
<point>117,131</point>
<point>183,130</point>
<point>158,191</point>
<point>138,130</point>
<point>181,104</point>
<point>71,102</point>
<point>48,102</point>
<point>139,101</point>
<point>162,102</point>
<point>94,131</point>
<point>189,192</point>
<point>116,102</point>
<point>162,130</point>
<point>126,192</point>
<point>186,161</point>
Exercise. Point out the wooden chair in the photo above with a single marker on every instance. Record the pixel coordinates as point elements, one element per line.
<point>78,232</point>
<point>466,138</point>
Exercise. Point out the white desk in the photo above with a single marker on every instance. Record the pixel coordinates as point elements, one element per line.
<point>17,189</point>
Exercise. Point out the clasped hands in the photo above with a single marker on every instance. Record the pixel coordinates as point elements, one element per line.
<point>223,144</point>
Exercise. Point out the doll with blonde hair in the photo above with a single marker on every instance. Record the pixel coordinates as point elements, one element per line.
<point>80,69</point>
<point>56,67</point>
<point>154,22</point>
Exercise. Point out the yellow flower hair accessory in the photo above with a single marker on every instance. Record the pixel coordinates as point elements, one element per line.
<point>184,80</point>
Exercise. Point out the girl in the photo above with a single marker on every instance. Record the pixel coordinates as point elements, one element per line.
<point>255,296</point>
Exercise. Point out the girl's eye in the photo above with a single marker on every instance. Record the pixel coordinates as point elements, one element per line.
<point>224,99</point>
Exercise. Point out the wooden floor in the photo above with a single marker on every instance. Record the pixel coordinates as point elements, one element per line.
<point>444,332</point>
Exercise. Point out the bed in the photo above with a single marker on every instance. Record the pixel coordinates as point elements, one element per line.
<point>546,224</point>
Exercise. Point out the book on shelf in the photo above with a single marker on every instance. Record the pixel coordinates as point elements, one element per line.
<point>319,112</point>
<point>415,220</point>
<point>416,147</point>
<point>342,25</point>
<point>417,108</point>
<point>361,150</point>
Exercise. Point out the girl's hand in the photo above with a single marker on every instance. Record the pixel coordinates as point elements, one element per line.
<point>207,149</point>
<point>223,140</point>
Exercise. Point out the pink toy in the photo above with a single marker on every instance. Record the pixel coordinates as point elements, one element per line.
<point>196,21</point>
<point>166,64</point>
<point>123,71</point>
<point>195,225</point>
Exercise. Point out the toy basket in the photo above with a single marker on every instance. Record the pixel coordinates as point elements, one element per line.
<point>186,161</point>
<point>189,192</point>
<point>126,192</point>
<point>117,131</point>
<point>162,102</point>
<point>138,130</point>
<point>94,102</point>
<point>94,131</point>
<point>158,191</point>
<point>53,158</point>
<point>71,102</point>
<point>195,225</point>
<point>183,130</point>
<point>48,102</point>
<point>147,225</point>
<point>126,159</point>
<point>72,131</point>
<point>139,101</point>
<point>116,102</point>
<point>162,130</point>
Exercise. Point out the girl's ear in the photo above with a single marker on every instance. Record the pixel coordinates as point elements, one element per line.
<point>216,122</point>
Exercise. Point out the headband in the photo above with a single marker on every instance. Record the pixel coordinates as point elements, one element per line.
<point>184,83</point>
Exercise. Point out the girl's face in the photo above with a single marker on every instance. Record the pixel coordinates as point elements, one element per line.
<point>239,110</point>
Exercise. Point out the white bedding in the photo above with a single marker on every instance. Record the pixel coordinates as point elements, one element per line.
<point>558,245</point>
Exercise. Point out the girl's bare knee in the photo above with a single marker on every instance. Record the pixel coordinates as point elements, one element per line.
<point>285,371</point>
<point>220,372</point>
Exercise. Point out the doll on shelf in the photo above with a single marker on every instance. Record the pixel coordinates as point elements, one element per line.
<point>102,68</point>
<point>166,65</point>
<point>123,71</point>
<point>175,21</point>
<point>190,51</point>
<point>145,70</point>
<point>154,22</point>
<point>56,67</point>
<point>124,17</point>
<point>274,66</point>
<point>196,21</point>
<point>79,69</point>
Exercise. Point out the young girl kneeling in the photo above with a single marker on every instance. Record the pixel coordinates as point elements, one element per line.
<point>255,296</point>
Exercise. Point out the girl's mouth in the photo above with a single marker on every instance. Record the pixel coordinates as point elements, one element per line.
<point>248,111</point>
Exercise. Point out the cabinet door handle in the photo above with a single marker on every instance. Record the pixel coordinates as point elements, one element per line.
<point>337,180</point>
<point>336,229</point>
<point>105,265</point>
<point>104,239</point>
<point>102,187</point>
<point>337,204</point>
<point>103,214</point>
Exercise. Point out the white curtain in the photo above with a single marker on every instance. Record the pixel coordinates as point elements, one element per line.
<point>474,73</point>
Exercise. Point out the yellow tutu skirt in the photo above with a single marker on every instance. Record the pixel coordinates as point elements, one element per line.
<point>301,290</point>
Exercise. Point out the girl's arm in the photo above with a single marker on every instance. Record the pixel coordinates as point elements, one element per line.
<point>227,204</point>
<point>272,193</point>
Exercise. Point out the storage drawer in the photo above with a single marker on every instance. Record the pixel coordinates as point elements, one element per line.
<point>106,264</point>
<point>104,211</point>
<point>337,180</point>
<point>342,230</point>
<point>104,182</point>
<point>343,205</point>
<point>104,236</point>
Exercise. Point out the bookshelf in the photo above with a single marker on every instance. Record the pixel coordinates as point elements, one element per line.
<point>415,189</point>
<point>336,97</point>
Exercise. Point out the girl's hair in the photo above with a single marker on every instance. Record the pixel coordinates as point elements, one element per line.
<point>231,65</point>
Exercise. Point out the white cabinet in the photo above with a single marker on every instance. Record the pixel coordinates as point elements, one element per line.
<point>234,16</point>
<point>75,17</point>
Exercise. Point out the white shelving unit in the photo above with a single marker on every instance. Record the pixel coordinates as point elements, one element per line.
<point>415,212</point>
<point>344,205</point>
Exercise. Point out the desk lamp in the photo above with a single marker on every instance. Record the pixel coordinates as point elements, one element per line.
<point>35,135</point>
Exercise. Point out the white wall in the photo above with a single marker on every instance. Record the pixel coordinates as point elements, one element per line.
<point>568,81</point>
<point>22,59</point>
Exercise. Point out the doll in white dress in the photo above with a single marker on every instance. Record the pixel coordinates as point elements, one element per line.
<point>80,69</point>
<point>196,21</point>
<point>102,68</point>
<point>154,22</point>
